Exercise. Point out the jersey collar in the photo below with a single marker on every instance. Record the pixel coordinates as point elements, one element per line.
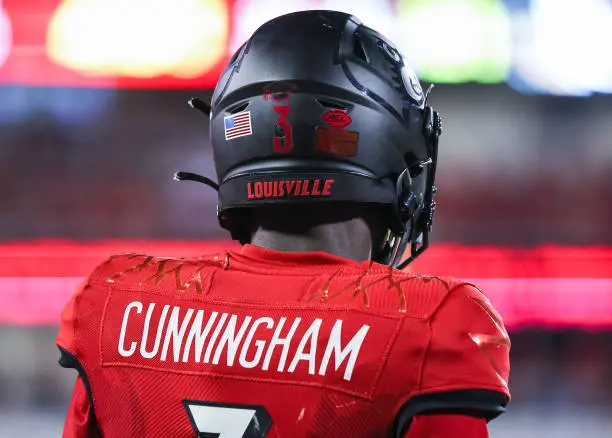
<point>318,258</point>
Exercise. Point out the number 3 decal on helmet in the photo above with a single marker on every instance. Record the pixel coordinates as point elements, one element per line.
<point>226,420</point>
<point>283,142</point>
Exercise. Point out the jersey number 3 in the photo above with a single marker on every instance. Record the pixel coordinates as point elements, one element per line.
<point>223,420</point>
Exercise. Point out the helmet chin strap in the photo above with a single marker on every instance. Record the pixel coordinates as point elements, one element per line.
<point>200,105</point>
<point>205,109</point>
<point>188,176</point>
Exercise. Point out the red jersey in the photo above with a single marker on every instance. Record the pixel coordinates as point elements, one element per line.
<point>260,343</point>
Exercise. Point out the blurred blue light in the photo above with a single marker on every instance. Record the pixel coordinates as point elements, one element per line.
<point>68,106</point>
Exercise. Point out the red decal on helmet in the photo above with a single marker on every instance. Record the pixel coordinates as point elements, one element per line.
<point>298,188</point>
<point>336,141</point>
<point>337,118</point>
<point>283,144</point>
<point>278,91</point>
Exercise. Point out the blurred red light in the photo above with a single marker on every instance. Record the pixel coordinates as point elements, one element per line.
<point>548,286</point>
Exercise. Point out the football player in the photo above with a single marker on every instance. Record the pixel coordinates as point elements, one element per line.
<point>325,150</point>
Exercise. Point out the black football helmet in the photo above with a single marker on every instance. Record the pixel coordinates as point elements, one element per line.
<point>316,107</point>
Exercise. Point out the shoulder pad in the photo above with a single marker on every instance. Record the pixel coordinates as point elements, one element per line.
<point>466,366</point>
<point>469,347</point>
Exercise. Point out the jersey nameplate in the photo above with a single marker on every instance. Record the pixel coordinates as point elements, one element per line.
<point>336,348</point>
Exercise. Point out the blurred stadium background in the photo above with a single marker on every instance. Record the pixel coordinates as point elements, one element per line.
<point>93,123</point>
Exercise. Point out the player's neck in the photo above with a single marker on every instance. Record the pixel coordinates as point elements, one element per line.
<point>345,242</point>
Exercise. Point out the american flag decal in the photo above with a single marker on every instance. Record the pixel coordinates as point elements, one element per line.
<point>238,125</point>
